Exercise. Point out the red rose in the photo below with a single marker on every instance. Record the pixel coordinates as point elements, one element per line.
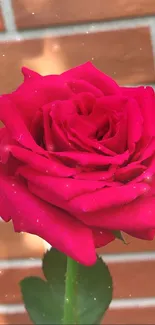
<point>78,160</point>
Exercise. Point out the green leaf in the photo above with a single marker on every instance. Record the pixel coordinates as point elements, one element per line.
<point>119,236</point>
<point>95,292</point>
<point>40,301</point>
<point>44,301</point>
<point>94,287</point>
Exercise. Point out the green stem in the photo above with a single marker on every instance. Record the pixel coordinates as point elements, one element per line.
<point>70,303</point>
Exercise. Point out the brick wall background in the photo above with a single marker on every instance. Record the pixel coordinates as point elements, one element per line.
<point>50,36</point>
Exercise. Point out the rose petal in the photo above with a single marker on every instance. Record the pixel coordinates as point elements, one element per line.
<point>48,166</point>
<point>97,175</point>
<point>146,234</point>
<point>15,125</point>
<point>5,209</point>
<point>36,92</point>
<point>136,216</point>
<point>148,151</point>
<point>135,122</point>
<point>148,173</point>
<point>129,172</point>
<point>104,198</point>
<point>54,197</point>
<point>146,99</point>
<point>102,237</point>
<point>95,77</point>
<point>48,138</point>
<point>28,74</point>
<point>80,86</point>
<point>118,143</point>
<point>91,159</point>
<point>4,140</point>
<point>65,188</point>
<point>55,226</point>
<point>60,113</point>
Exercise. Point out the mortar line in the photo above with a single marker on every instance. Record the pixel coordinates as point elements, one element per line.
<point>8,16</point>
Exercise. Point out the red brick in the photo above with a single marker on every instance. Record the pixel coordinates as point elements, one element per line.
<point>130,280</point>
<point>126,55</point>
<point>118,317</point>
<point>131,316</point>
<point>9,283</point>
<point>133,280</point>
<point>15,319</point>
<point>57,12</point>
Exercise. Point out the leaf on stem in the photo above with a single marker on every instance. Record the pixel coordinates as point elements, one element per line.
<point>93,291</point>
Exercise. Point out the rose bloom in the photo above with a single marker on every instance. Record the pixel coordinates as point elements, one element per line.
<point>77,159</point>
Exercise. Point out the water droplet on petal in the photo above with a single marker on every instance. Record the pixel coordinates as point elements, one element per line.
<point>6,148</point>
<point>21,135</point>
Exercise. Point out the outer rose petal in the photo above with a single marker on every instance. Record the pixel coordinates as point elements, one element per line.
<point>5,209</point>
<point>146,234</point>
<point>95,77</point>
<point>38,91</point>
<point>146,99</point>
<point>32,215</point>
<point>107,197</point>
<point>102,237</point>
<point>4,140</point>
<point>92,208</point>
<point>15,125</point>
<point>137,216</point>
<point>29,74</point>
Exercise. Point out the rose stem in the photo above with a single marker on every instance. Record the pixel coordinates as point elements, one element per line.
<point>70,303</point>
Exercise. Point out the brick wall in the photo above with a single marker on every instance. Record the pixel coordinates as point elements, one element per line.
<point>50,36</point>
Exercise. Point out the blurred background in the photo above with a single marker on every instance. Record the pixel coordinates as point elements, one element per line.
<point>50,36</point>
